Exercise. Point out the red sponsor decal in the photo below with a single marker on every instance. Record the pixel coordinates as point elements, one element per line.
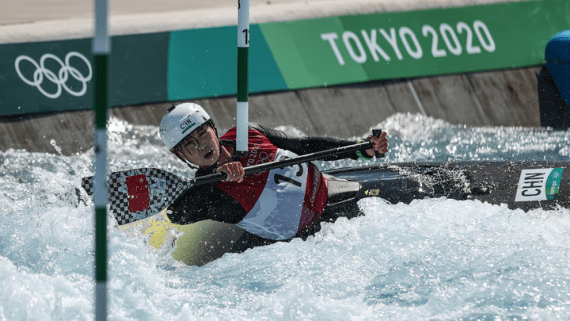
<point>315,198</point>
<point>137,187</point>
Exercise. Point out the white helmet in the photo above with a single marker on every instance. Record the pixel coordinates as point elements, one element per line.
<point>180,121</point>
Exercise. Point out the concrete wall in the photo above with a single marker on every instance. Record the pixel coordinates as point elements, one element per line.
<point>496,98</point>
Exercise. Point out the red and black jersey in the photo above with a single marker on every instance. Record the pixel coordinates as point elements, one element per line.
<point>276,204</point>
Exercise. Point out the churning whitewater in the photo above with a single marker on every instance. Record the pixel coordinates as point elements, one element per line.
<point>434,259</point>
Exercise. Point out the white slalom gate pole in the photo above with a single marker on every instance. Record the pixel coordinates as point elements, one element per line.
<point>243,79</point>
<point>101,48</point>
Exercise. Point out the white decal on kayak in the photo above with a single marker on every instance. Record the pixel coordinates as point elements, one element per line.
<point>539,184</point>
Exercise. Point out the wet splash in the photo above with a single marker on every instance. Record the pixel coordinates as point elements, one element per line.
<point>434,259</point>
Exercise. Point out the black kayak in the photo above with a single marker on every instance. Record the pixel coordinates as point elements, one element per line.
<point>522,185</point>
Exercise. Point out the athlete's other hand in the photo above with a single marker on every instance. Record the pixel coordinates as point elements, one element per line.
<point>380,144</point>
<point>234,171</point>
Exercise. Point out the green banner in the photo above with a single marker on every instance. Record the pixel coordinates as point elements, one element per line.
<point>414,44</point>
<point>192,64</point>
<point>203,63</point>
<point>305,59</point>
<point>58,75</point>
<point>139,69</point>
<point>46,77</point>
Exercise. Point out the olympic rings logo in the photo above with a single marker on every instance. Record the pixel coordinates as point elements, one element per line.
<point>264,157</point>
<point>62,76</point>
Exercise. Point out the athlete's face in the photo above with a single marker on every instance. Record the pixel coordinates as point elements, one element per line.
<point>201,147</point>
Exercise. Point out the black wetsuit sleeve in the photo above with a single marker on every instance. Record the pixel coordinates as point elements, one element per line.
<point>205,202</point>
<point>302,145</point>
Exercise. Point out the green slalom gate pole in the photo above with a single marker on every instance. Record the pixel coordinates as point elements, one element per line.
<point>243,78</point>
<point>101,49</point>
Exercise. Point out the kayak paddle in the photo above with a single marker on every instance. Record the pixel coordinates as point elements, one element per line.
<point>136,194</point>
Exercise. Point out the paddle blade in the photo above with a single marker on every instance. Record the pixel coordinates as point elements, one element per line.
<point>139,193</point>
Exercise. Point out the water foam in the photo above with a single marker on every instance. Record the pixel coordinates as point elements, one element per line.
<point>434,259</point>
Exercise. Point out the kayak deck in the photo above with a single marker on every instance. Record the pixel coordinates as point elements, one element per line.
<point>521,185</point>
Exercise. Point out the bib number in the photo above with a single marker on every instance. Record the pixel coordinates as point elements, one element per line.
<point>277,178</point>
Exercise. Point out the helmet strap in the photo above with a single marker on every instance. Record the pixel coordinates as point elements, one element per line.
<point>190,164</point>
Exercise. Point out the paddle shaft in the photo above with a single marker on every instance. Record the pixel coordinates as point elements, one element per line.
<point>212,178</point>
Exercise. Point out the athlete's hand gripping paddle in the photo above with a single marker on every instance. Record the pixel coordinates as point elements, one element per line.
<point>377,133</point>
<point>140,193</point>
